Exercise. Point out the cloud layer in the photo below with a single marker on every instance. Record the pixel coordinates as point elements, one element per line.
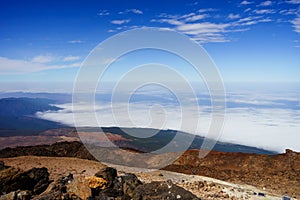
<point>268,122</point>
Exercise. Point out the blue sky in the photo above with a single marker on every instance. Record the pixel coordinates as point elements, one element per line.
<point>248,40</point>
<point>43,44</point>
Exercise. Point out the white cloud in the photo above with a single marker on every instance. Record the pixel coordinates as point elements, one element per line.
<point>103,13</point>
<point>288,12</point>
<point>208,31</point>
<point>248,19</point>
<point>203,32</point>
<point>71,58</point>
<point>11,66</point>
<point>75,41</point>
<point>246,2</point>
<point>253,22</point>
<point>175,19</point>
<point>205,27</point>
<point>293,1</point>
<point>264,11</point>
<point>296,24</point>
<point>195,18</point>
<point>247,10</point>
<point>133,10</point>
<point>266,3</point>
<point>169,21</point>
<point>120,22</point>
<point>206,10</point>
<point>42,59</point>
<point>233,16</point>
<point>136,11</point>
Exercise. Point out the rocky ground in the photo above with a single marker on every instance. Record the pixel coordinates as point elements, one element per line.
<point>18,183</point>
<point>274,173</point>
<point>74,178</point>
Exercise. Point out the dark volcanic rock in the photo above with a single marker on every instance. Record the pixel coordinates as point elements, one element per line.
<point>129,187</point>
<point>61,149</point>
<point>2,166</point>
<point>130,182</point>
<point>107,173</point>
<point>40,176</point>
<point>58,190</point>
<point>122,188</point>
<point>12,179</point>
<point>160,191</point>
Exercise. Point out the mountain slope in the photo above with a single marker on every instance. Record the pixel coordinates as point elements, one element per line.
<point>17,116</point>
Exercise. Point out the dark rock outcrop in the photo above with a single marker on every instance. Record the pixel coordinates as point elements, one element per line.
<point>13,179</point>
<point>162,190</point>
<point>35,180</point>
<point>58,190</point>
<point>130,182</point>
<point>61,149</point>
<point>2,166</point>
<point>34,184</point>
<point>107,173</point>
<point>129,187</point>
<point>40,177</point>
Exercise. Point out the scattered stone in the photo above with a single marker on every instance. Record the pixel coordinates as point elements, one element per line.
<point>286,198</point>
<point>24,195</point>
<point>200,185</point>
<point>261,194</point>
<point>212,185</point>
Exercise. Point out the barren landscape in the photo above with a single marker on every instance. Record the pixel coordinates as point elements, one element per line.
<point>217,176</point>
<point>203,187</point>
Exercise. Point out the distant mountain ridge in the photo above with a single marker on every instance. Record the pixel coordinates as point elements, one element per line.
<point>163,137</point>
<point>17,116</point>
<point>25,106</point>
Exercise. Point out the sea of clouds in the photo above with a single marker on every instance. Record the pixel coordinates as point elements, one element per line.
<point>268,120</point>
